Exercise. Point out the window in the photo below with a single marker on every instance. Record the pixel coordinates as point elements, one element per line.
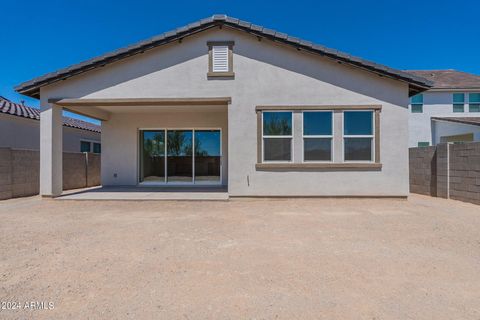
<point>317,136</point>
<point>97,147</point>
<point>423,144</point>
<point>474,102</point>
<point>277,136</point>
<point>358,135</point>
<point>416,103</point>
<point>458,102</point>
<point>220,62</point>
<point>85,146</point>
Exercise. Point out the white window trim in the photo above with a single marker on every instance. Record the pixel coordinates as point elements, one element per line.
<point>332,145</point>
<point>468,102</point>
<point>372,136</point>
<point>465,98</point>
<point>278,137</point>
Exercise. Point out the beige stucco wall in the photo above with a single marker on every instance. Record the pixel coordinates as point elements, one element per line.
<point>22,133</point>
<point>266,73</point>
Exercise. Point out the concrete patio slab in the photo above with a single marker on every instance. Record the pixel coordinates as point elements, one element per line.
<point>208,193</point>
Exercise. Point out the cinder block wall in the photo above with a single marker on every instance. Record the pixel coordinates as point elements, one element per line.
<point>423,171</point>
<point>20,172</point>
<point>465,172</point>
<point>457,171</point>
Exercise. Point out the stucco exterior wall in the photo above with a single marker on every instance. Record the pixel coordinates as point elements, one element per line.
<point>22,133</point>
<point>435,104</point>
<point>266,73</point>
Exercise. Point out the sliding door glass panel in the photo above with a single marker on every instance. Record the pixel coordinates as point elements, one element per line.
<point>179,156</point>
<point>207,156</point>
<point>153,156</point>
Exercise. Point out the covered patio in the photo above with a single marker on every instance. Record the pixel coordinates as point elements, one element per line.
<point>173,146</point>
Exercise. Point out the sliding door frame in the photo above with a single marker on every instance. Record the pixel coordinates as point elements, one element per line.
<point>165,182</point>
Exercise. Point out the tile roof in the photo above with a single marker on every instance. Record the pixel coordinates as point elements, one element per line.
<point>32,87</point>
<point>20,110</point>
<point>464,120</point>
<point>449,79</point>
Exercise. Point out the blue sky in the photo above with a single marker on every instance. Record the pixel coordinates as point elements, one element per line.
<point>42,36</point>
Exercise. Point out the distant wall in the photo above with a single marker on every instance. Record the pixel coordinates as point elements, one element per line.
<point>19,172</point>
<point>454,171</point>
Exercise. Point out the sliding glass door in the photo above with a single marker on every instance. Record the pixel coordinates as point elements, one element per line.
<point>207,155</point>
<point>152,156</point>
<point>179,153</point>
<point>180,156</point>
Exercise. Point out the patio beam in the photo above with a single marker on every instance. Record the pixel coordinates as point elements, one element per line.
<point>65,102</point>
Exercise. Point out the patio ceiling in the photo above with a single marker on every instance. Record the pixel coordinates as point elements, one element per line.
<point>102,109</point>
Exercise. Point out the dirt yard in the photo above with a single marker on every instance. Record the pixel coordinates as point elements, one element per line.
<point>242,259</point>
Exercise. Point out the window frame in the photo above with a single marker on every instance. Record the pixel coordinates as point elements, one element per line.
<point>475,103</point>
<point>373,138</point>
<point>263,137</point>
<point>223,74</point>
<point>331,137</point>
<point>416,104</point>
<point>462,104</point>
<point>91,142</point>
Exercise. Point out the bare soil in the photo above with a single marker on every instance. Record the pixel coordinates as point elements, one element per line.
<point>242,259</point>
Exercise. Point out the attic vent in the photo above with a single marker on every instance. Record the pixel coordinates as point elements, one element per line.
<point>220,59</point>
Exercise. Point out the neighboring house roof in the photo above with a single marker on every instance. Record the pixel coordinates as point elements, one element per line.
<point>32,87</point>
<point>464,120</point>
<point>20,110</point>
<point>449,79</point>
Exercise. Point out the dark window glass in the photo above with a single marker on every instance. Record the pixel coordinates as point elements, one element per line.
<point>179,156</point>
<point>358,122</point>
<point>474,107</point>
<point>317,149</point>
<point>97,148</point>
<point>317,123</point>
<point>458,108</point>
<point>417,99</point>
<point>358,149</point>
<point>207,155</point>
<point>417,108</point>
<point>277,149</point>
<point>458,98</point>
<point>84,146</point>
<point>153,156</point>
<point>277,123</point>
<point>474,98</point>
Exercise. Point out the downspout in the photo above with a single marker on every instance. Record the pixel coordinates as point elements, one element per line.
<point>448,170</point>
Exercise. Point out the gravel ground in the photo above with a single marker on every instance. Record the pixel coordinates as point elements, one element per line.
<point>242,259</point>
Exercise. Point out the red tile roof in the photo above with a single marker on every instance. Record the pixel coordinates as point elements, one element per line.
<point>449,79</point>
<point>20,110</point>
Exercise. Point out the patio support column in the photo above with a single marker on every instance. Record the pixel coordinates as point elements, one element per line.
<point>51,153</point>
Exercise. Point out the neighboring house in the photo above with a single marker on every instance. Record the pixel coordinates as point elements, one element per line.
<point>20,129</point>
<point>454,94</point>
<point>455,129</point>
<point>225,102</point>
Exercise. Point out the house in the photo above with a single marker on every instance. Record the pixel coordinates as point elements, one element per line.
<point>455,95</point>
<point>223,102</point>
<point>20,129</point>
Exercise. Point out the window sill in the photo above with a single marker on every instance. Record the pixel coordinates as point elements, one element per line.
<point>349,165</point>
<point>220,74</point>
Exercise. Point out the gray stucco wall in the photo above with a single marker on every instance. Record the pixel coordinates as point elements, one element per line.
<point>266,73</point>
<point>22,133</point>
